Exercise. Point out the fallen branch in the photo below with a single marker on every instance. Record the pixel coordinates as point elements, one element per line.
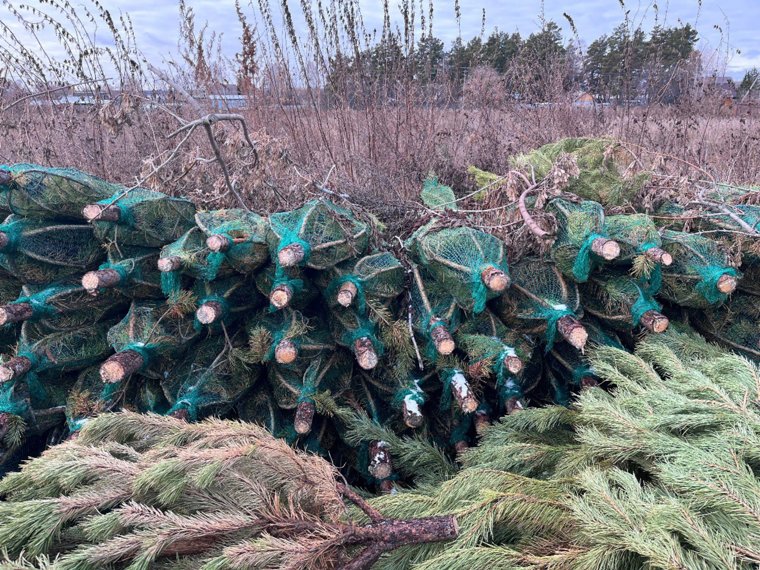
<point>530,223</point>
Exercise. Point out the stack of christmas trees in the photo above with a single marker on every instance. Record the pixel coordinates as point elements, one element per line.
<point>124,298</point>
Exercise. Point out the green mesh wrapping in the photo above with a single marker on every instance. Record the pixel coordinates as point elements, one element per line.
<point>247,231</point>
<point>328,233</point>
<point>540,297</point>
<point>266,330</point>
<point>578,225</point>
<point>147,218</point>
<point>571,369</point>
<point>618,300</point>
<point>50,193</point>
<point>750,281</point>
<point>155,331</point>
<point>734,324</point>
<point>348,326</point>
<point>261,408</point>
<point>66,305</point>
<point>63,351</point>
<point>606,173</point>
<point>488,342</point>
<point>698,263</point>
<point>90,396</point>
<point>431,307</point>
<point>10,289</point>
<point>236,295</point>
<point>456,258</point>
<point>196,259</point>
<point>39,253</point>
<point>204,383</point>
<point>634,233</point>
<point>140,278</point>
<point>304,292</point>
<point>302,380</point>
<point>149,397</point>
<point>378,278</point>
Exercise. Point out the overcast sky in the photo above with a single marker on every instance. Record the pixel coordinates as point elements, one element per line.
<point>728,27</point>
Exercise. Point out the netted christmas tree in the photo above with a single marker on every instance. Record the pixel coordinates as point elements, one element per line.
<point>189,256</point>
<point>582,243</point>
<point>234,236</point>
<point>36,191</point>
<point>319,234</point>
<point>130,269</point>
<point>702,273</point>
<point>38,252</point>
<point>140,217</point>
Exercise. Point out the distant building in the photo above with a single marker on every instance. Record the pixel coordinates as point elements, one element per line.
<point>584,99</point>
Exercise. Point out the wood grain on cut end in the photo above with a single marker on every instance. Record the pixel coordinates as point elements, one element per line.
<point>304,417</point>
<point>346,294</point>
<point>463,394</point>
<point>15,367</point>
<point>291,255</point>
<point>495,279</point>
<point>659,255</point>
<point>442,340</point>
<point>514,405</point>
<point>365,353</point>
<point>209,312</point>
<point>218,242</point>
<point>285,352</point>
<point>514,364</point>
<point>573,331</point>
<point>15,313</point>
<point>98,212</point>
<point>655,321</point>
<point>120,366</point>
<point>727,284</point>
<point>605,248</point>
<point>280,296</point>
<point>411,414</point>
<point>380,463</point>
<point>100,279</point>
<point>169,264</point>
<point>4,240</point>
<point>482,422</point>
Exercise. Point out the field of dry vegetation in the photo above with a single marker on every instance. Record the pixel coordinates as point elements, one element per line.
<point>309,130</point>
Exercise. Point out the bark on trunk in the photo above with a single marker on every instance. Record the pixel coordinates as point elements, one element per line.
<point>346,294</point>
<point>101,279</point>
<point>495,279</point>
<point>97,212</point>
<point>15,367</point>
<point>365,353</point>
<point>291,255</point>
<point>605,248</point>
<point>121,365</point>
<point>572,331</point>
<point>304,417</point>
<point>15,313</point>
<point>654,321</point>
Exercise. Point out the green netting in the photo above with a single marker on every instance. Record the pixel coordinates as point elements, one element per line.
<point>195,259</point>
<point>246,232</point>
<point>376,278</point>
<point>205,384</point>
<point>149,397</point>
<point>146,218</point>
<point>734,324</point>
<point>634,233</point>
<point>50,193</point>
<point>63,351</point>
<point>266,330</point>
<point>40,253</point>
<point>90,396</point>
<point>540,297</point>
<point>261,408</point>
<point>327,233</point>
<point>301,381</point>
<point>618,300</point>
<point>431,309</point>
<point>698,264</point>
<point>155,331</point>
<point>578,225</point>
<point>607,169</point>
<point>487,341</point>
<point>437,196</point>
<point>140,278</point>
<point>348,327</point>
<point>293,278</point>
<point>457,258</point>
<point>66,305</point>
<point>235,295</point>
